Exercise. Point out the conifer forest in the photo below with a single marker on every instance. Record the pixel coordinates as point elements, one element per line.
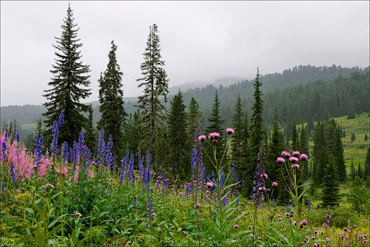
<point>279,160</point>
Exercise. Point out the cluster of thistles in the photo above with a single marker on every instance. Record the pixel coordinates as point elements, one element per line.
<point>214,135</point>
<point>294,159</point>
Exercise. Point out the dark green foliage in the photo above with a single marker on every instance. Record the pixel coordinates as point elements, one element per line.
<point>330,192</point>
<point>353,137</point>
<point>320,153</point>
<point>303,141</point>
<point>239,141</point>
<point>359,172</point>
<point>131,132</point>
<point>179,146</point>
<point>194,120</point>
<point>215,125</point>
<point>69,85</point>
<point>367,166</point>
<point>353,170</point>
<point>351,115</point>
<point>111,102</point>
<point>39,128</point>
<point>366,138</point>
<point>155,86</point>
<point>256,137</point>
<point>90,132</point>
<point>295,140</point>
<point>359,196</point>
<point>274,149</point>
<point>338,155</point>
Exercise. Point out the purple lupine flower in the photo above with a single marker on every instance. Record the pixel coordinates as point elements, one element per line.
<point>108,156</point>
<point>232,172</point>
<point>75,154</point>
<point>17,136</point>
<point>39,143</point>
<point>12,173</point>
<point>309,205</point>
<point>141,166</point>
<point>3,150</point>
<point>101,148</point>
<point>121,175</point>
<point>135,199</point>
<point>203,175</point>
<point>65,152</point>
<point>260,181</point>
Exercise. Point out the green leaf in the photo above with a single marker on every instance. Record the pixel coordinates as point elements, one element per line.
<point>56,220</point>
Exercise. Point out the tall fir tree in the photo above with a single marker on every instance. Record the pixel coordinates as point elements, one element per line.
<point>131,132</point>
<point>194,120</point>
<point>177,125</point>
<point>367,166</point>
<point>273,169</point>
<point>320,153</point>
<point>295,140</point>
<point>303,142</point>
<point>239,140</point>
<point>155,86</point>
<point>111,102</point>
<point>330,192</point>
<point>69,85</point>
<point>338,156</point>
<point>215,125</point>
<point>256,136</point>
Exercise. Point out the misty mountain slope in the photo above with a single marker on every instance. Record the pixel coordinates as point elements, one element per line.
<point>299,75</point>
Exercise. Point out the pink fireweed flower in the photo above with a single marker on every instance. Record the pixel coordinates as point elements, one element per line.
<point>303,157</point>
<point>209,184</point>
<point>229,131</point>
<point>296,153</point>
<point>285,154</point>
<point>274,184</point>
<point>91,174</point>
<point>296,166</point>
<point>201,138</point>
<point>280,160</point>
<point>293,159</point>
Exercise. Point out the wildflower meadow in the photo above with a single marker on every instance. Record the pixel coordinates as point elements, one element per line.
<point>65,196</point>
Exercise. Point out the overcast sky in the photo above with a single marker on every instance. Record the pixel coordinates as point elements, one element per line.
<point>201,41</point>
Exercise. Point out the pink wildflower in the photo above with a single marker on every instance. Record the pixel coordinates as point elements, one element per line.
<point>296,153</point>
<point>285,154</point>
<point>280,160</point>
<point>304,157</point>
<point>209,184</point>
<point>91,174</point>
<point>293,159</point>
<point>274,184</point>
<point>229,131</point>
<point>236,226</point>
<point>201,138</point>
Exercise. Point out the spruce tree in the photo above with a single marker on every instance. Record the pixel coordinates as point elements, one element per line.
<point>320,153</point>
<point>215,125</point>
<point>353,170</point>
<point>194,120</point>
<point>330,192</point>
<point>155,87</point>
<point>274,149</point>
<point>177,125</point>
<point>131,132</point>
<point>353,137</point>
<point>338,156</point>
<point>295,140</point>
<point>304,149</point>
<point>239,140</point>
<point>256,133</point>
<point>111,102</point>
<point>366,138</point>
<point>367,166</point>
<point>69,85</point>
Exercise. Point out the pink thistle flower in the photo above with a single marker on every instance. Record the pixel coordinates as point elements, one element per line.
<point>293,159</point>
<point>327,239</point>
<point>303,157</point>
<point>197,205</point>
<point>236,226</point>
<point>274,184</point>
<point>280,219</point>
<point>213,135</point>
<point>280,160</point>
<point>264,176</point>
<point>201,138</point>
<point>285,154</point>
<point>296,166</point>
<point>209,184</point>
<point>229,131</point>
<point>296,153</point>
